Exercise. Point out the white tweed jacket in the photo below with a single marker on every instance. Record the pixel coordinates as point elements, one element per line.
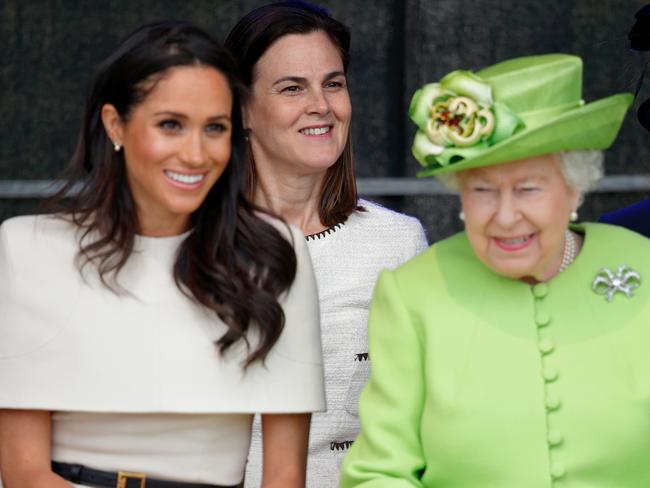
<point>347,260</point>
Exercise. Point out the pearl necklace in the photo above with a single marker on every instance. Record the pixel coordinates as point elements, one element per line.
<point>570,252</point>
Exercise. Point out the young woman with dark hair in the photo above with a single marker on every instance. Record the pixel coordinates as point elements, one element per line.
<point>146,320</point>
<point>293,58</point>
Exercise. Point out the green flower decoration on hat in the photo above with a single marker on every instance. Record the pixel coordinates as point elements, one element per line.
<point>512,110</point>
<point>458,112</point>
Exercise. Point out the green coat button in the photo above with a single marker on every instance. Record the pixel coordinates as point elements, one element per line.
<point>542,319</point>
<point>550,374</point>
<point>552,402</point>
<point>546,346</point>
<point>557,470</point>
<point>554,437</point>
<point>540,290</point>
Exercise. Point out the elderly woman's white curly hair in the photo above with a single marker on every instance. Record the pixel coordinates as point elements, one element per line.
<point>582,170</point>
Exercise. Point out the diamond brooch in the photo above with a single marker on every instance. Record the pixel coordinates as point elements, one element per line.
<point>624,280</point>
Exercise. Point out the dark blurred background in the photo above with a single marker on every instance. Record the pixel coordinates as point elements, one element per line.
<point>48,51</point>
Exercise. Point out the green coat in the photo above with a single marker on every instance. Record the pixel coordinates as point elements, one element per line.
<point>480,381</point>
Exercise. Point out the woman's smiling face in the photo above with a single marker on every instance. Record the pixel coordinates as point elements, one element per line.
<point>516,215</point>
<point>176,145</point>
<point>298,115</point>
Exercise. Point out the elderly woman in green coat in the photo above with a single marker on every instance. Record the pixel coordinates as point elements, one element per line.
<point>515,354</point>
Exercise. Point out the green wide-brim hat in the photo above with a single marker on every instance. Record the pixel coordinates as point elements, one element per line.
<point>524,107</point>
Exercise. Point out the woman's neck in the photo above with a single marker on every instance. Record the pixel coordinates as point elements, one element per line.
<point>296,198</point>
<point>564,259</point>
<point>161,223</point>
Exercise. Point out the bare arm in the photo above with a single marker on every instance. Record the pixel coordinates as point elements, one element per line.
<point>25,446</point>
<point>285,440</point>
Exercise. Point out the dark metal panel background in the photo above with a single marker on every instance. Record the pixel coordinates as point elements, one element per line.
<point>49,50</point>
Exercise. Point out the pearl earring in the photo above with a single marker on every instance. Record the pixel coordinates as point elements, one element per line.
<point>574,216</point>
<point>117,147</point>
<point>461,215</point>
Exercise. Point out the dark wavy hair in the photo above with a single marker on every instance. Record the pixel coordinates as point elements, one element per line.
<point>248,41</point>
<point>233,262</point>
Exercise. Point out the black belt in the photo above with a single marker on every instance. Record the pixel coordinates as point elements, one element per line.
<point>76,473</point>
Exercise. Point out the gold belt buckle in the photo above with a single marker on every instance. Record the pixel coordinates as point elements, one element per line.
<point>123,477</point>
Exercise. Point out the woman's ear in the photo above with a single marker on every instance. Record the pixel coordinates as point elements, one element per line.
<point>575,199</point>
<point>113,124</point>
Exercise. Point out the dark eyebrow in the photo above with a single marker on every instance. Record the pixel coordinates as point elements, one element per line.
<point>295,79</point>
<point>333,74</point>
<point>179,115</point>
<point>219,117</point>
<point>300,79</point>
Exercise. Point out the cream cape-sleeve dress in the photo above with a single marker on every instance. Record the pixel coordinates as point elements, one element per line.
<point>135,379</point>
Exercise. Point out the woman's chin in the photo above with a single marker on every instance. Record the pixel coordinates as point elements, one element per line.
<point>320,164</point>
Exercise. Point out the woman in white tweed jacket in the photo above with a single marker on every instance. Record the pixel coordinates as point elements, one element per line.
<point>293,57</point>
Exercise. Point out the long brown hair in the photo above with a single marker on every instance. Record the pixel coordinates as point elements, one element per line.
<point>233,262</point>
<point>248,41</point>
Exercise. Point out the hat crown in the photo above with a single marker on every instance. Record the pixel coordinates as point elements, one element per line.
<point>536,83</point>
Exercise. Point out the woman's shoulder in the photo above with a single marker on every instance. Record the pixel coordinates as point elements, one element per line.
<point>601,229</point>
<point>453,250</point>
<point>610,238</point>
<point>36,247</point>
<point>379,223</point>
<point>36,259</point>
<point>606,241</point>
<point>378,231</point>
<point>375,214</point>
<point>419,268</point>
<point>30,231</point>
